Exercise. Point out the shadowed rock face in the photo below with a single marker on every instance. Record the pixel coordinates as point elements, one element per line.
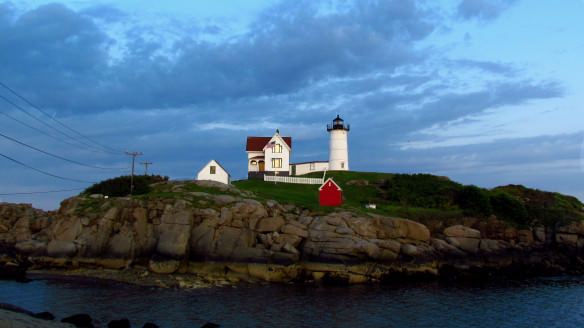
<point>267,241</point>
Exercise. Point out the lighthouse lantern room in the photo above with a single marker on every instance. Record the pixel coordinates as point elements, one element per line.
<point>338,149</point>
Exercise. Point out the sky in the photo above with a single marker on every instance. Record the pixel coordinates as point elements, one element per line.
<point>486,92</point>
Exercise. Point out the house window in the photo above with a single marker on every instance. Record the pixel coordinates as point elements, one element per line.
<point>342,165</point>
<point>312,166</point>
<point>276,162</point>
<point>212,169</point>
<point>277,148</point>
<point>254,163</point>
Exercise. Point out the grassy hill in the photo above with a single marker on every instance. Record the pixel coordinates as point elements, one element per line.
<point>421,197</point>
<point>425,197</point>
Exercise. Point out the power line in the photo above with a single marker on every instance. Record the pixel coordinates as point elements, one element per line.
<point>60,157</point>
<point>40,192</point>
<point>43,172</point>
<point>134,154</point>
<point>54,119</point>
<point>38,130</point>
<point>51,127</point>
<point>146,167</point>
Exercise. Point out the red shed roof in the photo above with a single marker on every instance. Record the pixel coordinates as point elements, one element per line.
<point>258,143</point>
<point>327,185</point>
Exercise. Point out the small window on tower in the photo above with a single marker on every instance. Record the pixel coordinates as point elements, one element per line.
<point>277,148</point>
<point>342,165</point>
<point>212,169</point>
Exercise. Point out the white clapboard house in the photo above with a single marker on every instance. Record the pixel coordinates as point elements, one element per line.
<point>268,155</point>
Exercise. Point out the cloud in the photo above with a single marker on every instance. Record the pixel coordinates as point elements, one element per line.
<point>290,46</point>
<point>486,66</point>
<point>482,9</point>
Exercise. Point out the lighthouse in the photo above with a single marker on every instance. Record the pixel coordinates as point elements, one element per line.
<point>338,150</point>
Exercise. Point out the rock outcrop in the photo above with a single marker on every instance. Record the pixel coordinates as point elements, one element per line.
<point>234,237</point>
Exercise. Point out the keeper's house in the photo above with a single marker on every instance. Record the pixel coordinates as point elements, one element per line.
<point>268,155</point>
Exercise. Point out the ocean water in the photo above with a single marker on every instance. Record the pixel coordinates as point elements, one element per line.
<point>544,302</point>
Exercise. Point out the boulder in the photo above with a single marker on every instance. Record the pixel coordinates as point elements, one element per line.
<point>462,231</point>
<point>573,228</point>
<point>293,229</point>
<point>388,244</point>
<point>336,221</point>
<point>470,245</point>
<point>79,320</point>
<point>316,235</point>
<point>344,230</point>
<point>60,248</point>
<point>446,248</point>
<point>269,224</point>
<point>567,239</point>
<point>362,226</point>
<point>67,229</point>
<point>173,240</point>
<point>122,323</point>
<point>525,236</point>
<point>32,247</point>
<point>392,228</point>
<point>409,249</point>
<point>229,238</point>
<point>490,245</point>
<point>321,224</point>
<point>539,234</point>
<point>287,247</point>
<point>164,266</point>
<point>202,238</point>
<point>282,238</point>
<point>226,216</point>
<point>122,245</point>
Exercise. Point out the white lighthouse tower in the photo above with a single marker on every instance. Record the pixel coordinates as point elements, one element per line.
<point>339,152</point>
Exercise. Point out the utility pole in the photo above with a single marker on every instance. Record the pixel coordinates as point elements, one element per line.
<point>146,167</point>
<point>134,154</point>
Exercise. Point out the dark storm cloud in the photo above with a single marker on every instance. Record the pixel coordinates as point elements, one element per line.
<point>483,9</point>
<point>52,54</point>
<point>289,47</point>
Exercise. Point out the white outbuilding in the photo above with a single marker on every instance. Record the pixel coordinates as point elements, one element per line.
<point>215,172</point>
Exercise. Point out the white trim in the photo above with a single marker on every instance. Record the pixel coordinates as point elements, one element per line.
<point>331,180</point>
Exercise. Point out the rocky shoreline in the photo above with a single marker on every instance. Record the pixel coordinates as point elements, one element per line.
<point>226,237</point>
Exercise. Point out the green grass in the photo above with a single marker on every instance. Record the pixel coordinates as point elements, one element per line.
<point>359,188</point>
<point>422,197</point>
<point>305,196</point>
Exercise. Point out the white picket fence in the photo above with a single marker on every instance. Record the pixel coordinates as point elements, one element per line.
<point>274,178</point>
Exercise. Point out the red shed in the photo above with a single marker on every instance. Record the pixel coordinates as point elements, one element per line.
<point>330,194</point>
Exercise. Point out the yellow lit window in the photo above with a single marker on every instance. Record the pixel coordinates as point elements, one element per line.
<point>277,148</point>
<point>276,162</point>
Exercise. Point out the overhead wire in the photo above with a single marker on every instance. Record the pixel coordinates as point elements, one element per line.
<point>114,151</point>
<point>43,172</point>
<point>51,127</point>
<point>38,130</point>
<point>39,192</point>
<point>60,157</point>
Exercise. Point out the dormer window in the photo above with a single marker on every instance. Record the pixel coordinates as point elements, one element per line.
<point>277,148</point>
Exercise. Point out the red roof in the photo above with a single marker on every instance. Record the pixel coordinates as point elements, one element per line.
<point>258,143</point>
